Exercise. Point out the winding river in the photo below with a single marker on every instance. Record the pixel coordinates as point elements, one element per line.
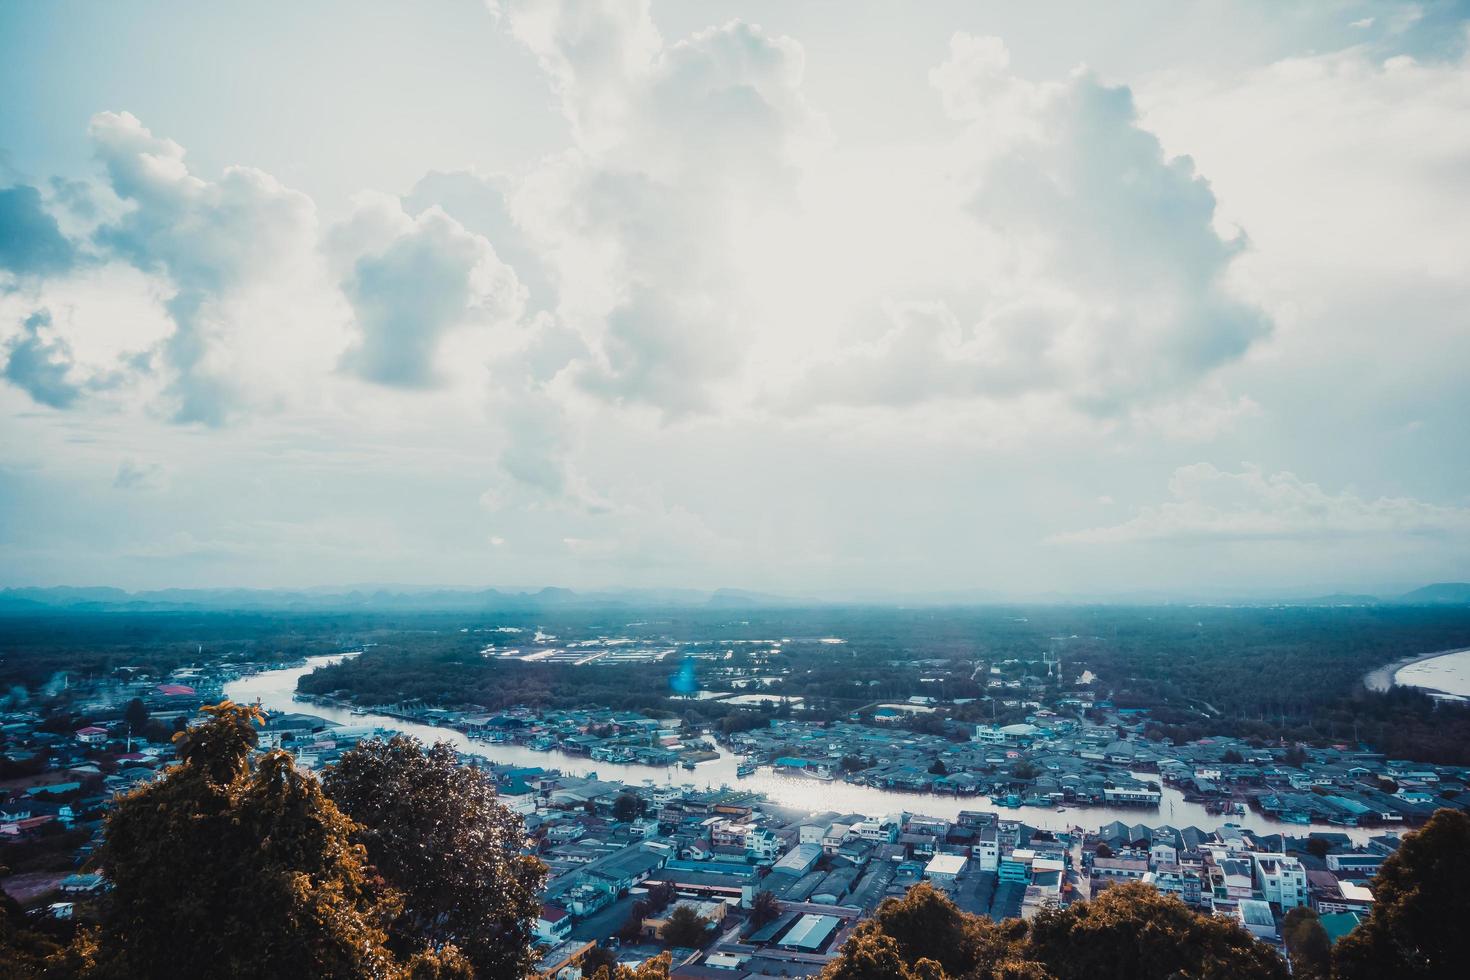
<point>275,690</point>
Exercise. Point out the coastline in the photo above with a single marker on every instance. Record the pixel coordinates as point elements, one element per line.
<point>1380,680</point>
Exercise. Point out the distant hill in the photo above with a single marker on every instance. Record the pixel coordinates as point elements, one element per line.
<point>1439,594</point>
<point>17,601</point>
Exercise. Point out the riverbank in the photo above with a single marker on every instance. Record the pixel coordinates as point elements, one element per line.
<point>276,689</point>
<point>1383,679</point>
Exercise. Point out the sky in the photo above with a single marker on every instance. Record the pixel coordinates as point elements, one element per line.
<point>840,299</point>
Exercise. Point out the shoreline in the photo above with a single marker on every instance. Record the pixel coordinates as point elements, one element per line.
<point>1380,680</point>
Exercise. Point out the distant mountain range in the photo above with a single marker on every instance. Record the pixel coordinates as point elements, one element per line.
<point>383,599</point>
<point>409,599</point>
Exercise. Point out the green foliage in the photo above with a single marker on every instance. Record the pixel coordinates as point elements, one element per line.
<point>1307,945</point>
<point>434,830</point>
<point>1417,927</point>
<point>226,868</point>
<point>684,927</point>
<point>136,715</point>
<point>1133,931</point>
<point>626,807</point>
<point>655,968</point>
<point>765,907</point>
<point>597,958</point>
<point>1130,932</point>
<point>23,951</point>
<point>1025,769</point>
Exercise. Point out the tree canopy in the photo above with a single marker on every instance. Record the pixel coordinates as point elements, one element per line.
<point>231,868</point>
<point>1130,932</point>
<point>684,927</point>
<point>433,828</point>
<point>1417,927</point>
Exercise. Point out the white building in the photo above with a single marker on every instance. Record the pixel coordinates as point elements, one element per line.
<point>945,868</point>
<point>1281,880</point>
<point>763,845</point>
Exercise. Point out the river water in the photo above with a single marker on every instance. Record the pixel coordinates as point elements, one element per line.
<point>275,690</point>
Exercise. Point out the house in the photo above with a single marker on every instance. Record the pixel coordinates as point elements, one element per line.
<point>943,869</point>
<point>92,735</point>
<point>553,924</point>
<point>834,837</point>
<point>82,884</point>
<point>763,845</point>
<point>1257,919</point>
<point>1281,880</point>
<point>1115,870</point>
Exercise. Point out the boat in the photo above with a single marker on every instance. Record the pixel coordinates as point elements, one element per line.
<point>689,764</point>
<point>746,768</point>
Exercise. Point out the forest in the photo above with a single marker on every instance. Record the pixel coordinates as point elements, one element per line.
<point>1264,673</point>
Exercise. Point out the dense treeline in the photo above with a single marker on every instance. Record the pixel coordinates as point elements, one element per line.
<point>1264,673</point>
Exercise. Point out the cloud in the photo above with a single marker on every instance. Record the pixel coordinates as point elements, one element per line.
<point>1109,283</point>
<point>1212,504</point>
<point>482,204</point>
<point>31,242</point>
<point>421,279</point>
<point>677,145</point>
<point>241,254</point>
<point>132,475</point>
<point>594,53</point>
<point>41,363</point>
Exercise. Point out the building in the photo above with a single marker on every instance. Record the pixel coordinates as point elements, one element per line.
<point>1113,871</point>
<point>92,735</point>
<point>1282,881</point>
<point>1354,865</point>
<point>986,849</point>
<point>1181,882</point>
<point>810,933</point>
<point>763,845</point>
<point>943,869</point>
<point>561,961</point>
<point>1257,919</point>
<point>800,859</point>
<point>553,925</point>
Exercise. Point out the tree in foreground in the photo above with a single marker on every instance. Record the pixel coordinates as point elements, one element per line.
<point>228,868</point>
<point>435,831</point>
<point>1134,931</point>
<point>1131,932</point>
<point>1417,928</point>
<point>656,968</point>
<point>1307,945</point>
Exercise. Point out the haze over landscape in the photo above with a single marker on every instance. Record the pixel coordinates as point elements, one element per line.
<point>697,490</point>
<point>818,300</point>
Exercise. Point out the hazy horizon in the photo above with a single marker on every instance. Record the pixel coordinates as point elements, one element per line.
<point>812,300</point>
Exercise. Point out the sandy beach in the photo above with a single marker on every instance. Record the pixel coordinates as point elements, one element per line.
<point>1382,678</point>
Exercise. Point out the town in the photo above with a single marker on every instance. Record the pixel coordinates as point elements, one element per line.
<point>771,888</point>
